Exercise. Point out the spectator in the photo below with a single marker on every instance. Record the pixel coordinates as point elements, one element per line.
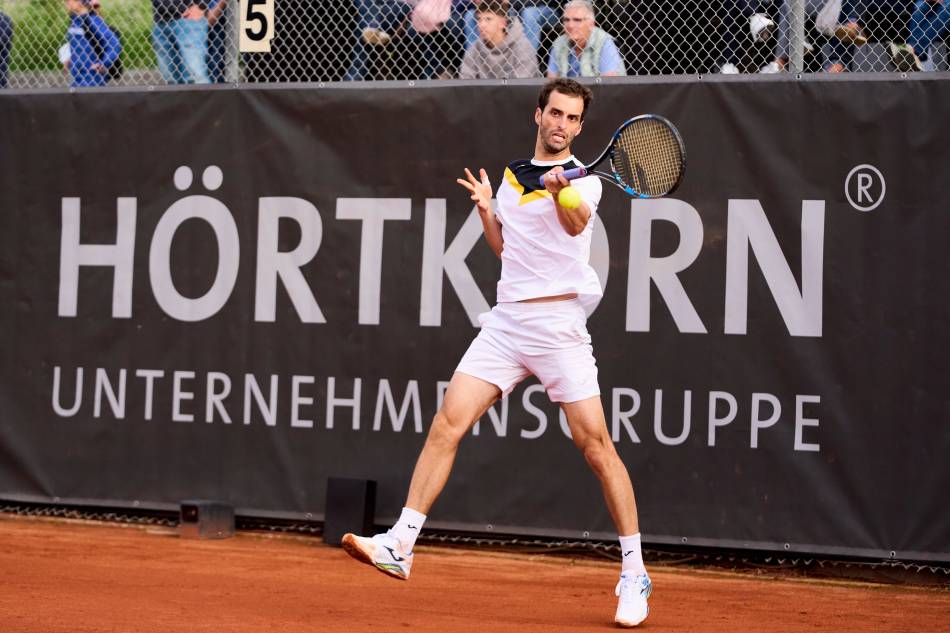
<point>439,45</point>
<point>217,38</point>
<point>358,70</point>
<point>585,50</point>
<point>744,19</point>
<point>502,50</point>
<point>116,70</point>
<point>6,43</point>
<point>180,38</point>
<point>427,28</point>
<point>92,46</point>
<point>844,35</point>
<point>928,22</point>
<point>535,16</point>
<point>848,25</point>
<point>387,18</point>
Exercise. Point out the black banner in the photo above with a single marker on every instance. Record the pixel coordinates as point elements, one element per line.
<point>236,293</point>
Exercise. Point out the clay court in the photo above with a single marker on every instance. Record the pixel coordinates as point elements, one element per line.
<point>81,577</point>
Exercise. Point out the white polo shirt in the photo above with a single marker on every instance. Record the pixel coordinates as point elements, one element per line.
<point>539,258</point>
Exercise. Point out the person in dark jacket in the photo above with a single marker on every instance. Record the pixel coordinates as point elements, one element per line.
<point>217,39</point>
<point>6,43</point>
<point>180,38</point>
<point>93,47</point>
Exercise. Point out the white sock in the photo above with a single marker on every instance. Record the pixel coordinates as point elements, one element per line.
<point>407,528</point>
<point>632,556</point>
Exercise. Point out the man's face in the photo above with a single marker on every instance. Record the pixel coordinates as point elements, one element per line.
<point>559,122</point>
<point>491,27</point>
<point>578,24</point>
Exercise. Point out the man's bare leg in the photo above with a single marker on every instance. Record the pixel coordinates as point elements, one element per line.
<point>589,430</point>
<point>466,399</point>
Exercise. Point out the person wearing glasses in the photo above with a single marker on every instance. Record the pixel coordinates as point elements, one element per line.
<point>584,50</point>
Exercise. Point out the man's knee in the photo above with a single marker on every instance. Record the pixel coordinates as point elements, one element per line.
<point>447,430</point>
<point>599,452</point>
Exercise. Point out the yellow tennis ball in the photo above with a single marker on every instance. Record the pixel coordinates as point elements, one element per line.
<point>569,198</point>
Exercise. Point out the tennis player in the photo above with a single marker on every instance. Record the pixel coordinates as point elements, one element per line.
<point>539,327</point>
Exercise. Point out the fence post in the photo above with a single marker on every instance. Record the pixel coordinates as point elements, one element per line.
<point>232,56</point>
<point>796,36</point>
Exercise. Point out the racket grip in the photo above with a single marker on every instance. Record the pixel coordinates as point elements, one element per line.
<point>570,174</point>
<point>577,172</point>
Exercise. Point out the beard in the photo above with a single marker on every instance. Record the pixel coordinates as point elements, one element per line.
<point>552,145</point>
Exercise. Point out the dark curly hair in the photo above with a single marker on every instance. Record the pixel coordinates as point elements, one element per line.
<point>565,87</point>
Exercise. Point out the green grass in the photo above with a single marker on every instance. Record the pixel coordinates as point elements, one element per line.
<point>40,29</point>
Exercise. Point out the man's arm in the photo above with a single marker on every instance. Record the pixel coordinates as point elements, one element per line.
<point>575,220</point>
<point>553,71</point>
<point>492,228</point>
<point>482,195</point>
<point>467,69</point>
<point>215,9</point>
<point>611,61</point>
<point>111,47</point>
<point>525,59</point>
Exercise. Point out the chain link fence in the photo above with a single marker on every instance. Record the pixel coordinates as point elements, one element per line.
<point>59,43</point>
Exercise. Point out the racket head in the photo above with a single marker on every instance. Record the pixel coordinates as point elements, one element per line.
<point>648,157</point>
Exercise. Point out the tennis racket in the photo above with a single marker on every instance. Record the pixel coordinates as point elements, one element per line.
<point>646,157</point>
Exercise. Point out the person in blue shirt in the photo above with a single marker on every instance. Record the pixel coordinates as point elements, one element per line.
<point>929,21</point>
<point>93,47</point>
<point>585,50</point>
<point>180,40</point>
<point>6,43</point>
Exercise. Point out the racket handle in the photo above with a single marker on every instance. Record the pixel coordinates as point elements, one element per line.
<point>570,174</point>
<point>574,174</point>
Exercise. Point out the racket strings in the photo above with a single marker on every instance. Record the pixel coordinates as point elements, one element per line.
<point>647,157</point>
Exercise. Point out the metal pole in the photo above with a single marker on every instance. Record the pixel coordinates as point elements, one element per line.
<point>796,35</point>
<point>231,67</point>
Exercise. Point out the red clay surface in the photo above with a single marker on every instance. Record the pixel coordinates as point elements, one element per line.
<point>81,577</point>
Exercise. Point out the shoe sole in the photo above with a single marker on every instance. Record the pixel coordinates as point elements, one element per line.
<point>353,547</point>
<point>627,624</point>
<point>376,37</point>
<point>903,60</point>
<point>851,36</point>
<point>630,623</point>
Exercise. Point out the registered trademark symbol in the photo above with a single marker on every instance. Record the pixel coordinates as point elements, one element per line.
<point>864,187</point>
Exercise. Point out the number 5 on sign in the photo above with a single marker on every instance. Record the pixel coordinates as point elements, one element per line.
<point>257,26</point>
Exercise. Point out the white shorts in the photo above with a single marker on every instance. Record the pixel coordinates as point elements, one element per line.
<point>549,340</point>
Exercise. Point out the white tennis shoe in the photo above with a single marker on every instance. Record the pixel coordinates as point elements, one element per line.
<point>382,551</point>
<point>632,608</point>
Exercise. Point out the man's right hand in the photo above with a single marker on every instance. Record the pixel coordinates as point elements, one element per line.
<point>481,190</point>
<point>194,12</point>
